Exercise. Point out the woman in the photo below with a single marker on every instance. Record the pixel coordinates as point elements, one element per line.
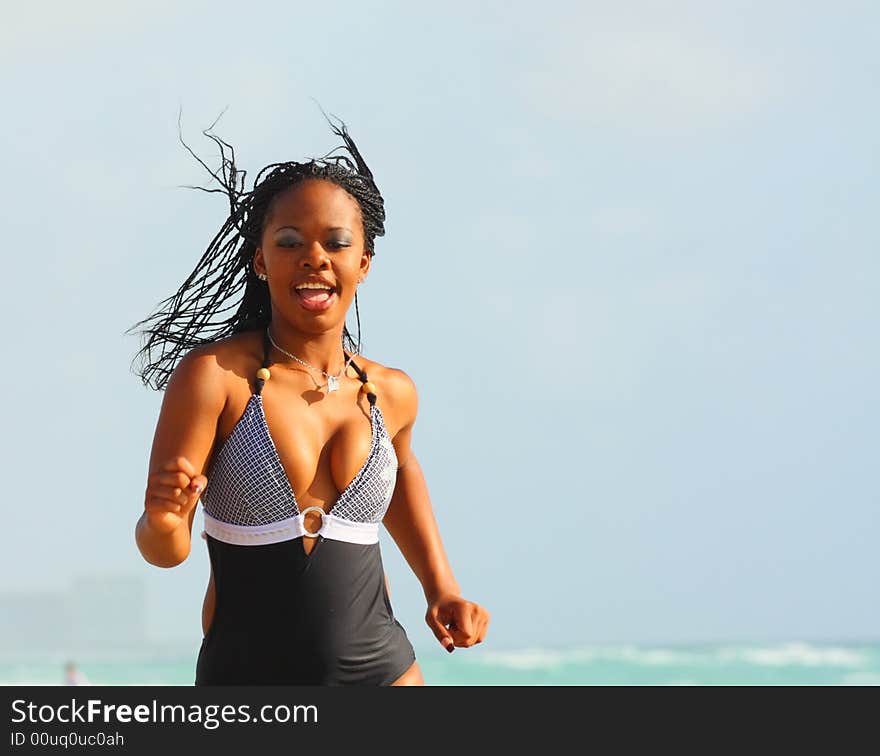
<point>297,446</point>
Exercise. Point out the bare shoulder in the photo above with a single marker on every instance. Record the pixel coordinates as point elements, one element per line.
<point>196,396</point>
<point>397,392</point>
<point>212,367</point>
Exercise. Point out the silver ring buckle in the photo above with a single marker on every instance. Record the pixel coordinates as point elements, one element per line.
<point>318,531</point>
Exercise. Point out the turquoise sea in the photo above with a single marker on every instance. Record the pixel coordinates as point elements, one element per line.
<point>790,663</point>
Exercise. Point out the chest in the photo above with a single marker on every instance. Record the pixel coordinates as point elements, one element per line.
<point>276,456</point>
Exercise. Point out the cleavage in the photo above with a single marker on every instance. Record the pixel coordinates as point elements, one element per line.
<point>340,456</point>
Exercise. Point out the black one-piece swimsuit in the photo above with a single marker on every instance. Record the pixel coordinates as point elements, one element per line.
<point>281,616</point>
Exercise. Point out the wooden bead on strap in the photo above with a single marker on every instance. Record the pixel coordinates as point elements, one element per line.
<point>369,387</point>
<point>263,374</point>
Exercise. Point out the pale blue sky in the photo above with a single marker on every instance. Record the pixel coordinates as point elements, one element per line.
<point>631,264</point>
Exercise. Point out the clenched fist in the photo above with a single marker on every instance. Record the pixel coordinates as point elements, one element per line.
<point>172,493</point>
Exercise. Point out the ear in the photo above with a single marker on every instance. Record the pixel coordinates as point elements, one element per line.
<point>259,263</point>
<point>366,258</point>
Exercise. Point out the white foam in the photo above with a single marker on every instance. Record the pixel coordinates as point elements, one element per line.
<point>795,654</point>
<point>653,657</point>
<point>525,659</point>
<point>538,658</point>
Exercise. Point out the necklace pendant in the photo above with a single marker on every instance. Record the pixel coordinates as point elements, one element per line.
<point>332,383</point>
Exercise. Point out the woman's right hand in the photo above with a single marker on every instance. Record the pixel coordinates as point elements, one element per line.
<point>172,493</point>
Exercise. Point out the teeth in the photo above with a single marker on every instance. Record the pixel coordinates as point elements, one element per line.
<point>314,286</point>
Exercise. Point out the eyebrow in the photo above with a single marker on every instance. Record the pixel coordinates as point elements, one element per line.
<point>333,228</point>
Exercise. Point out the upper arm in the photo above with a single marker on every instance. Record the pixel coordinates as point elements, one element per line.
<point>406,405</point>
<point>187,426</point>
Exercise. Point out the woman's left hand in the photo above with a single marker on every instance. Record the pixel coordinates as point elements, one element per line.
<point>456,621</point>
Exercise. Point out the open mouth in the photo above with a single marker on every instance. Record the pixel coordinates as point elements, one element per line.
<point>316,300</point>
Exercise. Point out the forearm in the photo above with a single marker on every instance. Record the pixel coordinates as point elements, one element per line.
<point>411,523</point>
<point>162,549</point>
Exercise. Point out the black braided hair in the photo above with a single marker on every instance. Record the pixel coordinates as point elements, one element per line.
<point>194,315</point>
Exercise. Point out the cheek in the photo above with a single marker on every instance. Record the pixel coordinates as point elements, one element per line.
<point>279,259</point>
<point>348,264</point>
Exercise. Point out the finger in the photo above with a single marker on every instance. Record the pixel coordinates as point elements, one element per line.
<point>180,463</point>
<point>439,630</point>
<point>193,492</point>
<point>462,625</point>
<point>198,484</point>
<point>176,495</point>
<point>482,626</point>
<point>179,495</point>
<point>177,479</point>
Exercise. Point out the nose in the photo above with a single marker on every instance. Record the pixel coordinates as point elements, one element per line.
<point>315,256</point>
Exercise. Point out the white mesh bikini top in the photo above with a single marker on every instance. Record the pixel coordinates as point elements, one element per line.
<point>250,501</point>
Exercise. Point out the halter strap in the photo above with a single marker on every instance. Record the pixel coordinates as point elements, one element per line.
<point>267,345</point>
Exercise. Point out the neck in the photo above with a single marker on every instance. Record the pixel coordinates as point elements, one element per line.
<point>321,350</point>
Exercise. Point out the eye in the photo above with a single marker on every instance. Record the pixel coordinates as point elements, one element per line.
<point>287,242</point>
<point>338,244</point>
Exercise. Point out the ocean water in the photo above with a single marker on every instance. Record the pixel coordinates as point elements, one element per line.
<point>792,663</point>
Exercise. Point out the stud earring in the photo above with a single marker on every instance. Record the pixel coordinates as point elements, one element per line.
<point>262,276</point>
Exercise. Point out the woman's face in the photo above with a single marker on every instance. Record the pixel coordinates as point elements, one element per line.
<point>314,231</point>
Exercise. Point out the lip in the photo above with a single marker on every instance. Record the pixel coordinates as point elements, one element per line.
<point>317,306</point>
<point>316,280</point>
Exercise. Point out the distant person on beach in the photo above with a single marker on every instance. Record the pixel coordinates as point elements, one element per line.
<point>73,676</point>
<point>298,446</point>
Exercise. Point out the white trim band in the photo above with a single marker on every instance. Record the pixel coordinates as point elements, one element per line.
<point>337,528</point>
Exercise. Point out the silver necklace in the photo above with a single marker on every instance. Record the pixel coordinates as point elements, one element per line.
<point>332,380</point>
